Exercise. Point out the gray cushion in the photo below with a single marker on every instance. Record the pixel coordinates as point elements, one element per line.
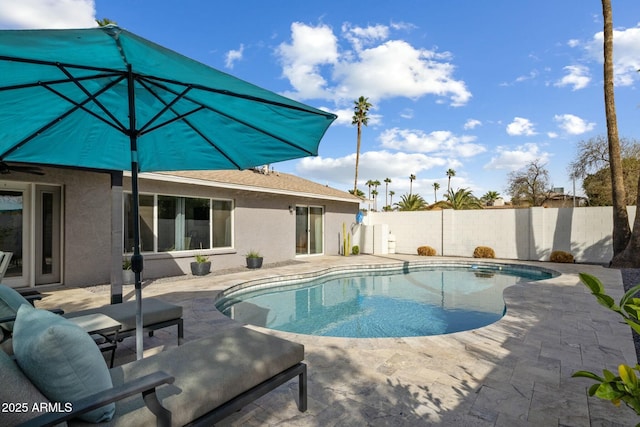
<point>208,372</point>
<point>60,359</point>
<point>17,389</point>
<point>153,310</point>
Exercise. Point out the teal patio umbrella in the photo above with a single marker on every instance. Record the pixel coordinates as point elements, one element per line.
<point>106,99</point>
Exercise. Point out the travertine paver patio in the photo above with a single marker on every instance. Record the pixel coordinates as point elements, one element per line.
<point>514,372</point>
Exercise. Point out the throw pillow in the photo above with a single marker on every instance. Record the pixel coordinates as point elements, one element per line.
<point>10,301</point>
<point>61,359</point>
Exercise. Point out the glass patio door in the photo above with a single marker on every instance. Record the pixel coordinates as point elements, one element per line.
<point>13,221</point>
<point>47,235</point>
<point>30,228</point>
<point>309,230</point>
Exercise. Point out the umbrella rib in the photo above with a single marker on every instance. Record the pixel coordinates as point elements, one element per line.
<point>184,119</point>
<point>262,131</point>
<point>39,131</point>
<point>162,111</point>
<point>239,95</point>
<point>56,64</point>
<point>58,81</point>
<point>94,99</point>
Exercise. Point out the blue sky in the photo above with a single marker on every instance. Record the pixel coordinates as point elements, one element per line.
<point>480,87</point>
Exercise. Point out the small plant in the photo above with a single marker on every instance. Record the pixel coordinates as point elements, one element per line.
<point>561,256</point>
<point>253,254</point>
<point>426,251</point>
<point>355,250</point>
<point>484,252</point>
<point>624,387</point>
<point>200,259</point>
<point>126,264</point>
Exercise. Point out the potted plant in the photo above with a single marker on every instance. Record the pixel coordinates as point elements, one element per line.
<point>128,277</point>
<point>201,266</point>
<point>254,259</point>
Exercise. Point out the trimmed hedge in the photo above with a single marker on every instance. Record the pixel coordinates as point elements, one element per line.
<point>426,251</point>
<point>561,256</point>
<point>484,252</point>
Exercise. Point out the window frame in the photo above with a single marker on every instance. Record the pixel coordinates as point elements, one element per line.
<point>154,250</point>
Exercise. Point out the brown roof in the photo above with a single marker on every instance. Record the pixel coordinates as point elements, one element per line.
<point>278,181</point>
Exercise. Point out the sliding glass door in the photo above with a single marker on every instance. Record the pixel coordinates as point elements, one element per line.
<point>309,230</point>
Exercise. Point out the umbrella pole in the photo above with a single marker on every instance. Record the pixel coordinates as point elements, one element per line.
<point>136,259</point>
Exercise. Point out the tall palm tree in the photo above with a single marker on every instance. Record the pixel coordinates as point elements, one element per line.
<point>411,202</point>
<point>374,193</point>
<point>450,174</point>
<point>376,183</point>
<point>387,181</point>
<point>369,184</point>
<point>621,230</point>
<point>391,193</point>
<point>357,193</point>
<point>360,118</point>
<point>412,177</point>
<point>436,187</point>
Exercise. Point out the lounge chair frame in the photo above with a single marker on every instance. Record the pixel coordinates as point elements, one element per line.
<point>145,385</point>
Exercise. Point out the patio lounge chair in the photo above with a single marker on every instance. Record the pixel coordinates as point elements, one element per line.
<point>196,384</point>
<point>157,314</point>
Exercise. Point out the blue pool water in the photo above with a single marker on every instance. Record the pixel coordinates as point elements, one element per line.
<point>372,304</point>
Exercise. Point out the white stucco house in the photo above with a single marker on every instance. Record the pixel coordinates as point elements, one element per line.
<point>72,227</point>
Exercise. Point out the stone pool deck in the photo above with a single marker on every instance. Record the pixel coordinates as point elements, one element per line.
<point>515,372</point>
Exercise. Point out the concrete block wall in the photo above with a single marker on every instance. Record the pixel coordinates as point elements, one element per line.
<point>523,234</point>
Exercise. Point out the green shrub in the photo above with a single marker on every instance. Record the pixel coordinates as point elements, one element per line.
<point>625,387</point>
<point>355,250</point>
<point>561,256</point>
<point>483,252</point>
<point>426,251</point>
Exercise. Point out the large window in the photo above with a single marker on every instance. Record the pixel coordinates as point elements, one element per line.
<point>180,223</point>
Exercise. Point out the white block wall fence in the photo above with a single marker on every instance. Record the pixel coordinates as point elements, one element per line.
<point>523,234</point>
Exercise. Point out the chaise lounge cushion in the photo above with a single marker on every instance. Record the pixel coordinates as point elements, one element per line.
<point>155,311</point>
<point>208,372</point>
<point>60,358</point>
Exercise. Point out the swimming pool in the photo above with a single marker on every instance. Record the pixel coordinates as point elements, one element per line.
<point>402,301</point>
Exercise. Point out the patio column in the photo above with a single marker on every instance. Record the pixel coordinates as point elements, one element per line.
<point>116,237</point>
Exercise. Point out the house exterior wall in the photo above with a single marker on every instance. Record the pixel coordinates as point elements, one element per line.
<point>261,221</point>
<point>523,234</point>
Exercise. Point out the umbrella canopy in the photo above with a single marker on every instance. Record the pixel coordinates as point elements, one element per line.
<point>106,99</point>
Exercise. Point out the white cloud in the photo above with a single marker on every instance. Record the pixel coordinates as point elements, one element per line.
<point>573,125</point>
<point>359,36</point>
<point>520,126</point>
<point>626,53</point>
<point>517,158</point>
<point>316,68</point>
<point>310,48</point>
<point>577,77</point>
<point>407,113</point>
<point>232,56</point>
<point>573,43</point>
<point>16,14</point>
<point>373,165</point>
<point>472,124</point>
<point>441,143</point>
